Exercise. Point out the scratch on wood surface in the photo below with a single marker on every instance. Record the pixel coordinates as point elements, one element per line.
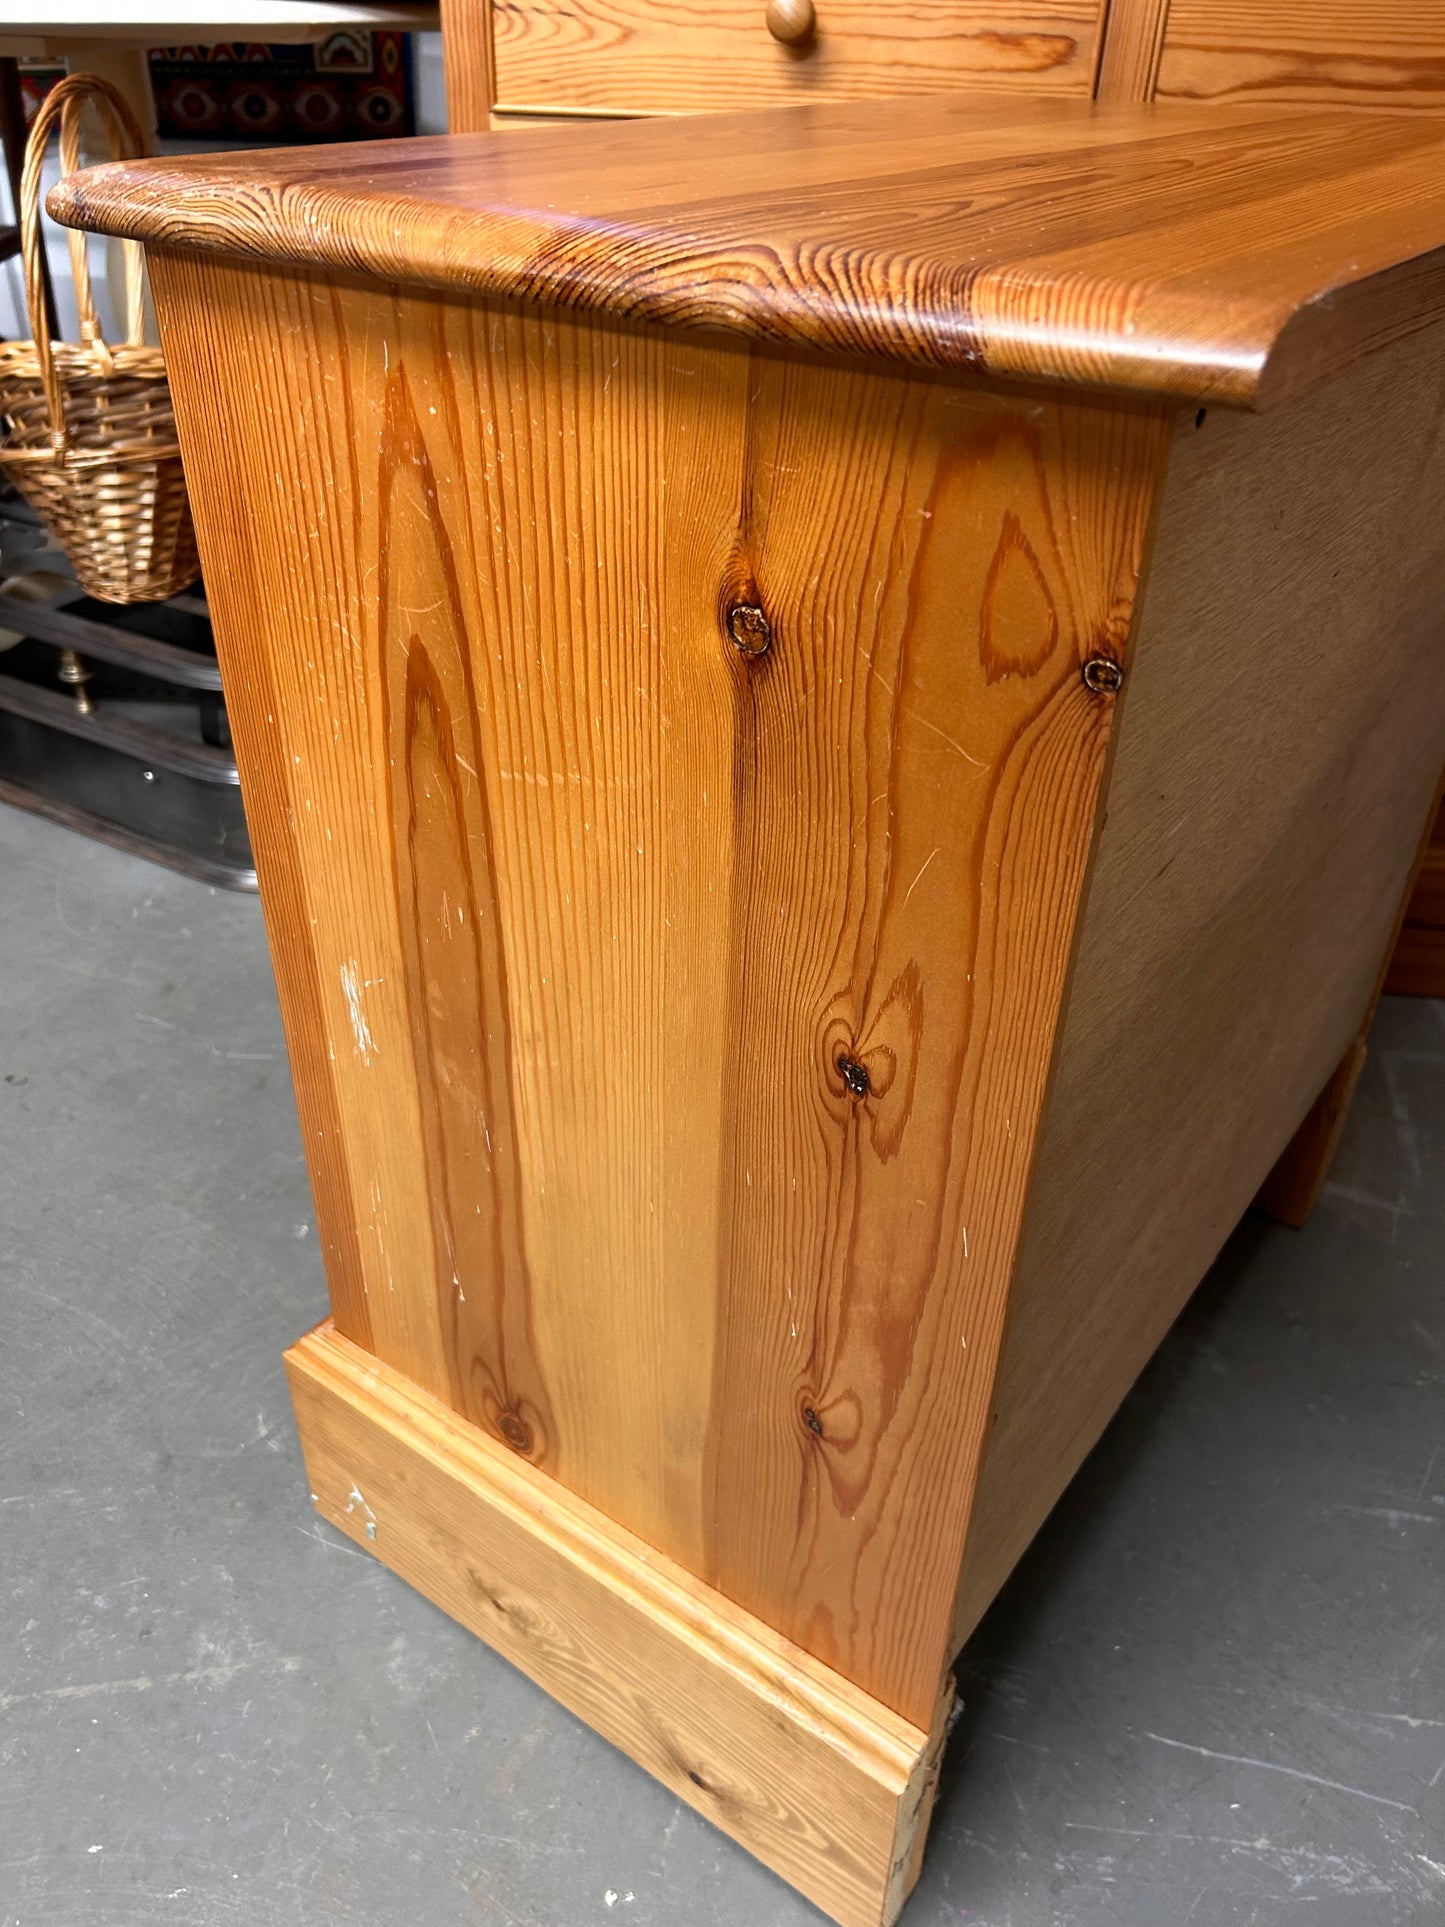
<point>918,879</point>
<point>924,723</point>
<point>353,1500</point>
<point>360,1029</point>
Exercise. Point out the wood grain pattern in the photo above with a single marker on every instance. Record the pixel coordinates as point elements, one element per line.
<point>598,908</point>
<point>1184,252</point>
<point>674,766</point>
<point>1133,43</point>
<point>1376,53</point>
<point>467,57</point>
<point>825,1786</point>
<point>1280,740</point>
<point>675,57</point>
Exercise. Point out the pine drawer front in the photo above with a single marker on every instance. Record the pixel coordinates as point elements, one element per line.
<point>1369,53</point>
<point>707,56</point>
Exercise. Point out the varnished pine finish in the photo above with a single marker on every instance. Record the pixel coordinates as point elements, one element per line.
<point>1133,44</point>
<point>467,60</point>
<point>792,23</point>
<point>1188,253</point>
<point>807,890</point>
<point>817,1780</point>
<point>1387,54</point>
<point>675,57</point>
<point>597,908</point>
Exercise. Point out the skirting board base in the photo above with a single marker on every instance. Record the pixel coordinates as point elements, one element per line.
<point>823,1784</point>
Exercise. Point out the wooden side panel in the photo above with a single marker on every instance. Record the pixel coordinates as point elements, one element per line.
<point>450,546</point>
<point>686,1014</point>
<point>820,1783</point>
<point>913,803</point>
<point>1374,53</point>
<point>1282,734</point>
<point>675,57</point>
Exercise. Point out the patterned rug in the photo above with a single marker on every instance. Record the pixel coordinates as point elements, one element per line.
<point>349,86</point>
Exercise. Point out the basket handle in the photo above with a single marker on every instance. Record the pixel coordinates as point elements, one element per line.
<point>65,104</point>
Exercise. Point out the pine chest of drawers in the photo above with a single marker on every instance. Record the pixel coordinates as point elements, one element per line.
<point>674,56</point>
<point>833,707</point>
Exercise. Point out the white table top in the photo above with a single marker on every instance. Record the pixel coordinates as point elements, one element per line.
<point>169,22</point>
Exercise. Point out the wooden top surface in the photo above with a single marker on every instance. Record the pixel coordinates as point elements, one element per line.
<point>1212,254</point>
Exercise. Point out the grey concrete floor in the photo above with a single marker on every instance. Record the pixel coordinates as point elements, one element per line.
<point>1212,1694</point>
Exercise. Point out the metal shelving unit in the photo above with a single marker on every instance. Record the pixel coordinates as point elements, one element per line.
<point>112,720</point>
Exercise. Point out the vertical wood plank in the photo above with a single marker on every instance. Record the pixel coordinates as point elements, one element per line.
<point>448,911</point>
<point>916,775</point>
<point>468,60</point>
<point>1133,45</point>
<point>594,477</point>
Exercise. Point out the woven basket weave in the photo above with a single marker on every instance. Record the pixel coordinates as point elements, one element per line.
<point>87,434</point>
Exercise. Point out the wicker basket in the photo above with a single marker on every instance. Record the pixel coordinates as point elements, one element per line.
<point>87,434</point>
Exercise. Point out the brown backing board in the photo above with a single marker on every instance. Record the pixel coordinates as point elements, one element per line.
<point>1279,743</point>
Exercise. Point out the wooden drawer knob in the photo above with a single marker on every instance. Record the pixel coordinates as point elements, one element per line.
<point>793,22</point>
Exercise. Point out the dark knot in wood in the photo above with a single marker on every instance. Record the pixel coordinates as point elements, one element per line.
<point>750,629</point>
<point>854,1075</point>
<point>1103,675</point>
